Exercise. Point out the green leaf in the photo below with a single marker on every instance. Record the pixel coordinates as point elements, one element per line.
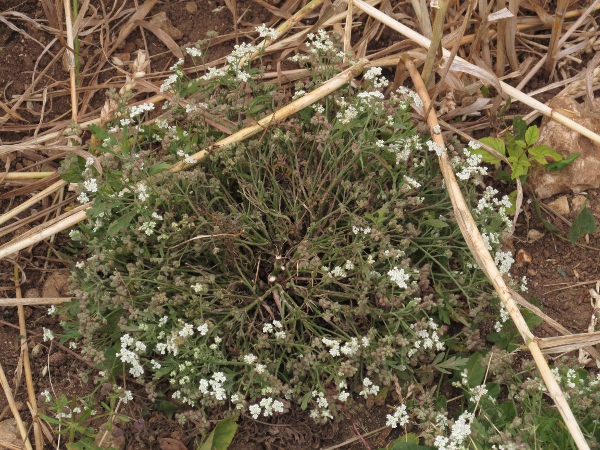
<point>532,134</point>
<point>160,167</point>
<point>221,436</point>
<point>519,127</point>
<point>168,408</point>
<point>496,144</point>
<point>399,444</point>
<point>547,225</point>
<point>435,223</point>
<point>585,223</point>
<point>560,165</point>
<point>541,153</point>
<point>121,223</point>
<point>452,363</point>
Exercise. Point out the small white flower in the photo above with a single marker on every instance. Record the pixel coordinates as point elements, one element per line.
<point>399,277</point>
<point>193,52</point>
<point>198,288</point>
<point>48,335</point>
<point>250,359</point>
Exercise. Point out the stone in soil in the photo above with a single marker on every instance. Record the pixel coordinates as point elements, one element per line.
<point>582,174</point>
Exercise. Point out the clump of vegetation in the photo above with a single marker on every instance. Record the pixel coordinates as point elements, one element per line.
<point>313,266</point>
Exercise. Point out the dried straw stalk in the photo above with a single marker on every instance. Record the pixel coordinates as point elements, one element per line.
<point>37,431</point>
<point>14,409</point>
<point>486,262</point>
<point>506,88</point>
<point>33,301</point>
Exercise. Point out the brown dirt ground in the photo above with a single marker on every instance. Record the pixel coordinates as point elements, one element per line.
<point>553,260</point>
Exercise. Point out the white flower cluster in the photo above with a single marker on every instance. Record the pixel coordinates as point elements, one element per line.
<point>270,406</point>
<point>214,387</point>
<point>193,52</point>
<point>266,32</point>
<point>187,158</point>
<point>489,205</point>
<point>399,276</point>
<point>142,191</point>
<point>460,431</point>
<point>129,354</point>
<point>427,339</point>
<point>411,183</point>
<point>137,110</point>
<point>198,288</point>
<point>320,43</point>
<point>373,75</point>
<point>471,166</point>
<point>48,335</point>
<point>148,227</point>
<point>321,411</point>
<point>239,52</point>
<point>504,316</point>
<point>369,388</point>
<point>400,417</point>
<point>350,348</point>
<point>337,272</point>
<point>477,393</point>
<point>348,115</point>
<point>403,148</point>
<point>411,96</point>
<point>275,328</point>
<point>213,72</point>
<point>504,261</point>
<point>174,77</point>
<point>361,230</point>
<point>343,394</point>
<point>435,147</point>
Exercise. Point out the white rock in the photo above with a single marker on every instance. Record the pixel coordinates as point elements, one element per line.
<point>582,174</point>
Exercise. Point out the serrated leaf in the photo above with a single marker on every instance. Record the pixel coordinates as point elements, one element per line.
<point>435,223</point>
<point>560,165</point>
<point>541,153</point>
<point>532,134</point>
<point>585,223</point>
<point>221,436</point>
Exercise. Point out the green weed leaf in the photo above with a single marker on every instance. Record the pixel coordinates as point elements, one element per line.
<point>435,223</point>
<point>585,223</point>
<point>221,436</point>
<point>452,363</point>
<point>560,165</point>
<point>496,144</point>
<point>541,153</point>
<point>519,127</point>
<point>121,223</point>
<point>532,134</point>
<point>409,441</point>
<point>160,167</point>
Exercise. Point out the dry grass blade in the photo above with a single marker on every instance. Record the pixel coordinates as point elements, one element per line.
<point>559,18</point>
<point>33,301</point>
<point>13,407</point>
<point>32,201</point>
<point>482,255</point>
<point>565,344</point>
<point>37,432</point>
<point>163,36</point>
<point>511,35</point>
<point>436,39</point>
